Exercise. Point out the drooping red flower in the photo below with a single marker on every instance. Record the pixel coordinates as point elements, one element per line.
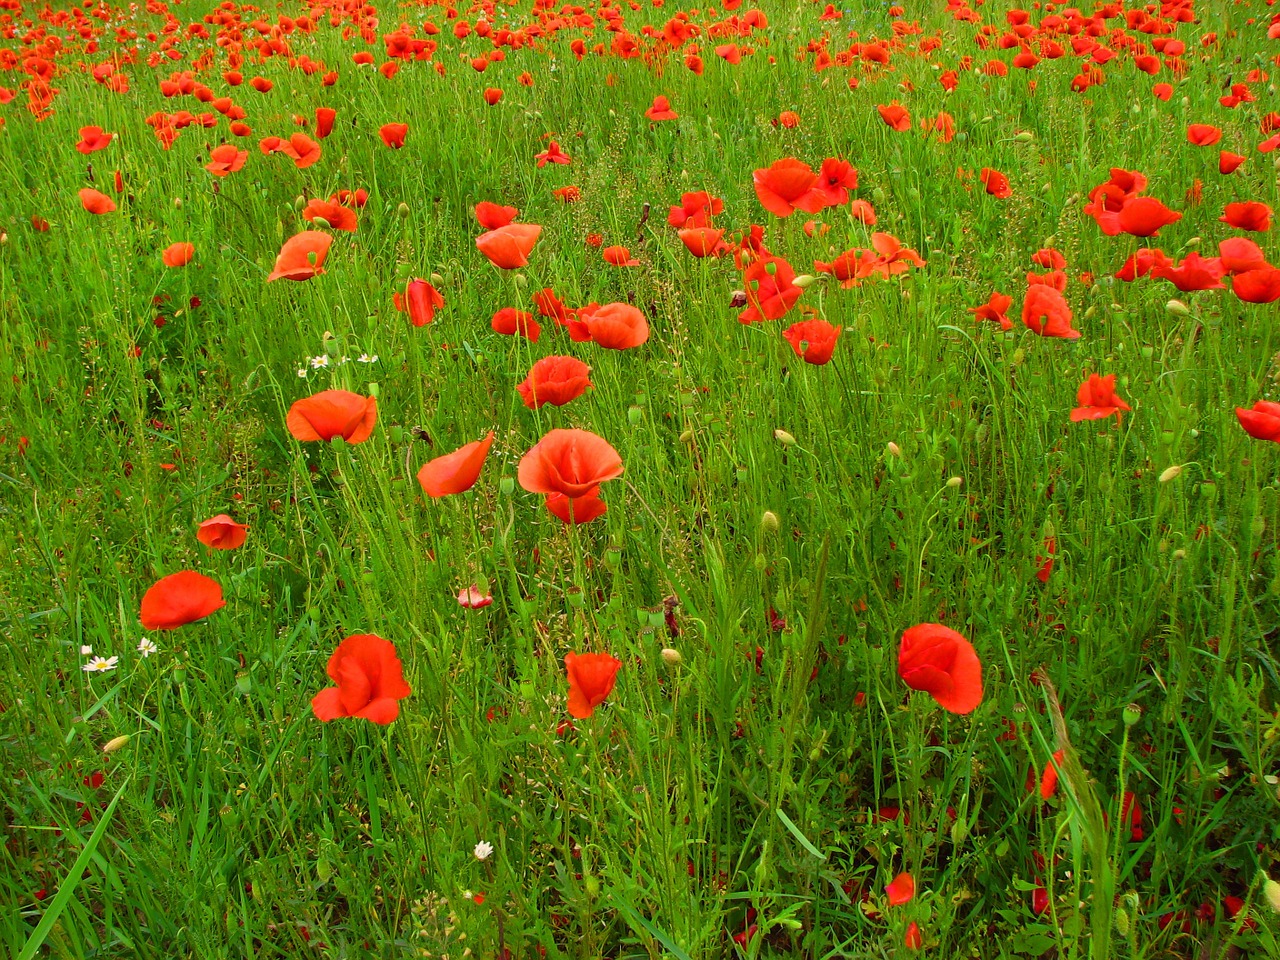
<point>941,662</point>
<point>555,380</point>
<point>370,681</point>
<point>995,309</point>
<point>509,321</point>
<point>302,256</point>
<point>591,680</point>
<point>455,472</point>
<point>178,254</point>
<point>770,289</point>
<point>1097,399</point>
<point>420,300</point>
<point>661,110</point>
<point>788,185</point>
<point>492,216</point>
<point>393,134</point>
<point>997,183</point>
<point>508,247</point>
<point>96,202</point>
<point>572,462</point>
<point>615,326</point>
<point>813,340</point>
<point>178,599</point>
<point>1046,312</point>
<point>1261,421</point>
<point>1247,216</point>
<point>333,413</point>
<point>901,890</point>
<point>895,116</point>
<point>222,533</point>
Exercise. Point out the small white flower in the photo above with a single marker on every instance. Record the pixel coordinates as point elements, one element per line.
<point>86,651</point>
<point>101,664</point>
<point>147,647</point>
<point>483,850</point>
<point>302,372</point>
<point>320,362</point>
<point>367,358</point>
<point>344,360</point>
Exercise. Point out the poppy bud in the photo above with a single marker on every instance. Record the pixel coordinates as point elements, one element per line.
<point>1132,713</point>
<point>1179,554</point>
<point>1091,313</point>
<point>437,279</point>
<point>786,439</point>
<point>4,237</point>
<point>686,436</point>
<point>670,657</point>
<point>804,280</point>
<point>521,280</point>
<point>1122,921</point>
<point>1271,893</point>
<point>1171,473</point>
<point>395,434</point>
<point>402,211</point>
<point>115,743</point>
<point>299,203</point>
<point>955,482</point>
<point>507,486</point>
<point>769,522</point>
<point>635,415</point>
<point>321,222</point>
<point>893,449</point>
<point>373,390</point>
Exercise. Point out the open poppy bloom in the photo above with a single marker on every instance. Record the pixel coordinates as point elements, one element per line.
<point>591,680</point>
<point>895,116</point>
<point>1193,273</point>
<point>849,267</point>
<point>572,462</point>
<point>813,340</point>
<point>492,216</point>
<point>455,472</point>
<point>901,890</point>
<point>1097,399</point>
<point>615,326</point>
<point>509,321</point>
<point>995,309</point>
<point>420,300</point>
<point>1239,254</point>
<point>1203,134</point>
<point>619,257</point>
<point>226,159</point>
<point>222,533</point>
<point>1261,285</point>
<point>1261,421</point>
<point>333,413</point>
<point>554,380</point>
<point>1046,312</point>
<point>786,186</point>
<point>302,256</point>
<point>178,599</point>
<point>835,179</point>
<point>93,139</point>
<point>576,510</point>
<point>327,213</point>
<point>1144,216</point>
<point>96,202</point>
<point>661,110</point>
<point>942,663</point>
<point>696,210</point>
<point>770,290</point>
<point>1229,162</point>
<point>300,148</point>
<point>473,598</point>
<point>1247,216</point>
<point>508,247</point>
<point>702,241</point>
<point>393,134</point>
<point>997,183</point>
<point>370,681</point>
<point>553,154</point>
<point>178,254</point>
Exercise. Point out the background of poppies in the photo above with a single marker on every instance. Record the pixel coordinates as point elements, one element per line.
<point>138,399</point>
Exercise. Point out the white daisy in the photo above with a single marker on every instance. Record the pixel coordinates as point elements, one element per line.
<point>320,362</point>
<point>367,358</point>
<point>147,647</point>
<point>100,664</point>
<point>483,850</point>
<point>86,651</point>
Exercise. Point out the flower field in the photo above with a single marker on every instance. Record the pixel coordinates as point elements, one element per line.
<point>640,480</point>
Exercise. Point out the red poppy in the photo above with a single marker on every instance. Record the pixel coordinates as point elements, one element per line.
<point>226,159</point>
<point>591,680</point>
<point>1229,162</point>
<point>1247,216</point>
<point>96,202</point>
<point>333,413</point>
<point>554,380</point>
<point>222,533</point>
<point>510,321</point>
<point>93,139</point>
<point>325,116</point>
<point>1049,257</point>
<point>508,247</point>
<point>1047,312</point>
<point>619,257</point>
<point>1049,778</point>
<point>420,300</point>
<point>835,179</point>
<point>178,254</point>
<point>393,134</point>
<point>178,599</point>
<point>891,257</point>
<point>492,95</point>
<point>863,212</point>
<point>770,290</point>
<point>812,340</point>
<point>302,256</point>
<point>1163,91</point>
<point>301,149</point>
<point>576,510</point>
<point>569,194</point>
<point>1141,263</point>
<point>615,326</point>
<point>1097,399</point>
<point>702,241</point>
<point>901,890</point>
<point>895,116</point>
<point>1239,254</point>
<point>336,216</point>
<point>455,472</point>
<point>939,661</point>
<point>572,462</point>
<point>553,154</point>
<point>1257,286</point>
<point>995,309</point>
<point>944,125</point>
<point>1193,273</point>
<point>491,216</point>
<point>1261,421</point>
<point>550,306</point>
<point>997,183</point>
<point>1144,216</point>
<point>370,681</point>
<point>473,598</point>
<point>696,210</point>
<point>661,110</point>
<point>788,185</point>
<point>912,939</point>
<point>847,267</point>
<point>1203,134</point>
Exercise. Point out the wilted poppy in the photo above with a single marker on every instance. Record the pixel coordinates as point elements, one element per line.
<point>1047,312</point>
<point>1247,216</point>
<point>615,326</point>
<point>901,890</point>
<point>812,340</point>
<point>576,510</point>
<point>302,256</point>
<point>661,110</point>
<point>455,472</point>
<point>178,599</point>
<point>370,681</point>
<point>1261,421</point>
<point>591,680</point>
<point>571,462</point>
<point>336,216</point>
<point>492,216</point>
<point>995,309</point>
<point>222,533</point>
<point>555,380</point>
<point>508,247</point>
<point>393,134</point>
<point>510,321</point>
<point>178,254</point>
<point>942,663</point>
<point>1097,399</point>
<point>420,300</point>
<point>96,202</point>
<point>788,185</point>
<point>333,413</point>
<point>770,290</point>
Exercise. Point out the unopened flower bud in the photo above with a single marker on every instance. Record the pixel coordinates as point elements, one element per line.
<point>786,439</point>
<point>893,449</point>
<point>320,222</point>
<point>402,211</point>
<point>805,280</point>
<point>115,743</point>
<point>437,280</point>
<point>1271,893</point>
<point>670,657</point>
<point>769,522</point>
<point>955,482</point>
<point>1177,308</point>
<point>1171,473</point>
<point>1026,136</point>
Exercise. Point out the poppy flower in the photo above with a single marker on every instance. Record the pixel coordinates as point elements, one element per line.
<point>336,216</point>
<point>569,194</point>
<point>847,267</point>
<point>942,663</point>
<point>1247,216</point>
<point>508,247</point>
<point>1049,778</point>
<point>333,413</point>
<point>901,890</point>
<point>1141,263</point>
<point>661,110</point>
<point>226,159</point>
<point>1193,273</point>
<point>455,472</point>
<point>550,306</point>
<point>393,134</point>
<point>93,139</point>
<point>786,186</point>
<point>1229,162</point>
<point>812,340</point>
<point>1145,216</point>
<point>473,598</point>
<point>770,290</point>
<point>835,179</point>
<point>1047,312</point>
<point>302,256</point>
<point>553,154</point>
<point>891,257</point>
<point>222,533</point>
<point>1163,91</point>
<point>913,939</point>
<point>1257,286</point>
<point>325,117</point>
<point>995,309</point>
<point>370,681</point>
<point>510,321</point>
<point>491,216</point>
<point>997,183</point>
<point>179,599</point>
<point>863,212</point>
<point>696,210</point>
<point>1203,134</point>
<point>576,510</point>
<point>1049,257</point>
<point>420,300</point>
<point>615,326</point>
<point>895,116</point>
<point>1097,399</point>
<point>1261,421</point>
<point>300,148</point>
<point>96,202</point>
<point>1239,254</point>
<point>492,95</point>
<point>555,380</point>
<point>572,462</point>
<point>591,680</point>
<point>178,254</point>
<point>619,257</point>
<point>702,241</point>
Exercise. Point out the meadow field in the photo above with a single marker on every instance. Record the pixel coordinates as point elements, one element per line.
<point>639,480</point>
